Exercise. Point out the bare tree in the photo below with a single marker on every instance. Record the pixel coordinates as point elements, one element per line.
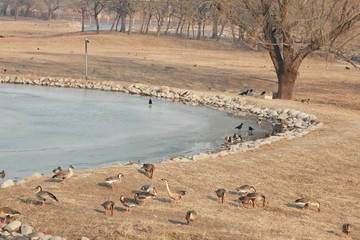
<point>97,6</point>
<point>52,6</point>
<point>292,29</point>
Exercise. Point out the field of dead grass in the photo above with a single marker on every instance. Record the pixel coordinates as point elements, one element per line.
<point>323,164</point>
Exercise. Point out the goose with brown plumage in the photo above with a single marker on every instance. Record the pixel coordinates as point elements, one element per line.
<point>113,179</point>
<point>65,174</point>
<point>149,169</point>
<point>191,216</point>
<point>245,189</point>
<point>6,212</point>
<point>306,201</point>
<point>44,195</point>
<point>109,207</point>
<point>174,195</point>
<point>128,203</point>
<point>220,193</point>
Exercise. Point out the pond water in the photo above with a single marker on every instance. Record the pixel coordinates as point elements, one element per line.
<point>42,128</point>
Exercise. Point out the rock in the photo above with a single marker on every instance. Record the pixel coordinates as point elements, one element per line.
<point>36,235</point>
<point>200,156</point>
<point>13,226</point>
<point>22,238</point>
<point>7,183</point>
<point>5,234</point>
<point>283,116</point>
<point>26,229</point>
<point>84,238</point>
<point>55,238</point>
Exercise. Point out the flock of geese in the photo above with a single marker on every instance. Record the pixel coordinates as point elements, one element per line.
<point>248,196</point>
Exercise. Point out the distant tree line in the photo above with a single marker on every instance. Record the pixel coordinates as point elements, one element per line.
<point>289,30</point>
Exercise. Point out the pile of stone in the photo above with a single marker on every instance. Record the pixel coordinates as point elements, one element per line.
<point>15,230</point>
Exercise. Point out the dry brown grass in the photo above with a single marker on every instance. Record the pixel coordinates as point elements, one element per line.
<point>323,164</point>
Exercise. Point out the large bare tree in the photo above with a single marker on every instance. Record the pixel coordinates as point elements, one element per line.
<point>292,29</point>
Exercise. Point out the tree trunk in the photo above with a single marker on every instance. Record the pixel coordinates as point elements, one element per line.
<point>199,31</point>
<point>168,25</point>
<point>130,23</point>
<point>97,23</point>
<point>114,22</point>
<point>286,81</point>
<point>123,23</point>
<point>82,20</point>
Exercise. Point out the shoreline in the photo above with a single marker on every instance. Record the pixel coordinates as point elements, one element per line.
<point>301,123</point>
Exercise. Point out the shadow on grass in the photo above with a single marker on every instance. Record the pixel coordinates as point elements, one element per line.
<point>142,172</point>
<point>234,193</point>
<point>99,211</point>
<point>177,222</point>
<point>120,209</point>
<point>292,205</point>
<point>53,180</point>
<point>212,198</point>
<point>30,201</point>
<point>333,232</point>
<point>163,200</point>
<point>103,184</point>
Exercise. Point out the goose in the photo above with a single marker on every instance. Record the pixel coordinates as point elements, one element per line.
<point>308,202</point>
<point>149,188</point>
<point>237,138</point>
<point>228,139</point>
<point>220,193</point>
<point>57,170</point>
<point>177,195</point>
<point>109,207</point>
<point>143,196</point>
<point>255,197</point>
<point>6,212</point>
<point>347,229</point>
<point>65,174</point>
<point>149,169</point>
<point>44,195</point>
<point>240,126</point>
<point>245,200</point>
<point>245,189</point>
<point>191,216</point>
<point>2,174</point>
<point>128,203</point>
<point>112,180</point>
<point>150,101</point>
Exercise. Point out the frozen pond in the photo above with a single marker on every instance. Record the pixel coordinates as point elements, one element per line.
<point>45,127</point>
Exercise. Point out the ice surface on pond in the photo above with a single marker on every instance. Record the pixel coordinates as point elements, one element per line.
<point>42,128</point>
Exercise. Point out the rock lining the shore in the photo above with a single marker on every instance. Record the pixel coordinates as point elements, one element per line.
<point>298,123</point>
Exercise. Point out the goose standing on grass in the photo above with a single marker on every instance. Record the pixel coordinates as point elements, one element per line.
<point>191,216</point>
<point>175,196</point>
<point>6,212</point>
<point>2,174</point>
<point>220,193</point>
<point>128,203</point>
<point>149,169</point>
<point>149,188</point>
<point>109,207</point>
<point>64,174</point>
<point>112,180</point>
<point>245,200</point>
<point>255,197</point>
<point>308,202</point>
<point>44,195</point>
<point>143,196</point>
<point>347,229</point>
<point>245,189</point>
